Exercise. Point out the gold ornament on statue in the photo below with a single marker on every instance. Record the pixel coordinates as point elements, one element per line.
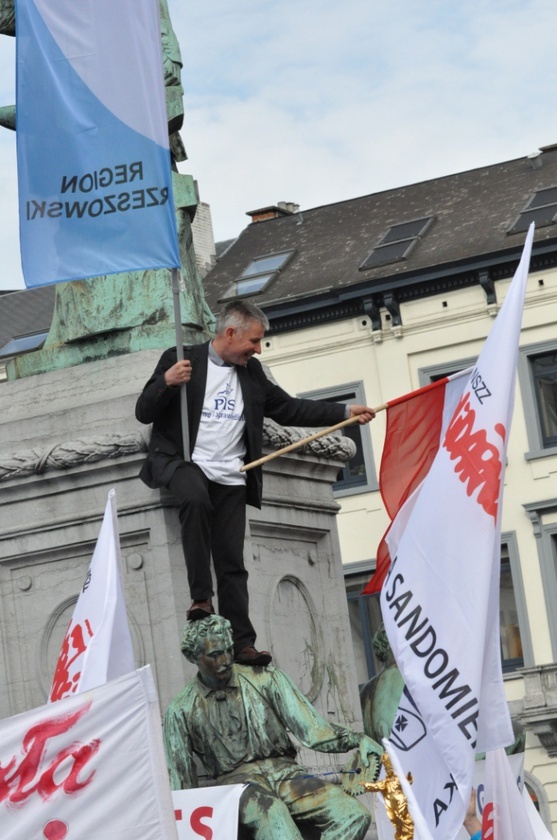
<point>396,803</point>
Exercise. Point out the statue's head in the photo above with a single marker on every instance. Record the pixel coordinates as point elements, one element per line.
<point>209,645</point>
<point>387,764</point>
<point>196,634</point>
<point>381,645</point>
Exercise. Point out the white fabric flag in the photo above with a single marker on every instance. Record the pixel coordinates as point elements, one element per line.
<point>209,812</point>
<point>97,646</point>
<point>540,831</point>
<point>504,813</point>
<point>513,773</point>
<point>440,601</point>
<point>90,767</point>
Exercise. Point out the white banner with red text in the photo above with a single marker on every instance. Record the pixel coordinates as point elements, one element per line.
<point>440,599</point>
<point>97,646</point>
<point>90,767</point>
<point>210,812</point>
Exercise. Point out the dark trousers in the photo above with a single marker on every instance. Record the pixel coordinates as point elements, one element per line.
<point>213,520</point>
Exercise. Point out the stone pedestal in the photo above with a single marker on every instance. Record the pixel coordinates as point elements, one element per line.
<point>66,437</point>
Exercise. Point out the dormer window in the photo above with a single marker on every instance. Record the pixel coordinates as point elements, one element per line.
<point>397,243</point>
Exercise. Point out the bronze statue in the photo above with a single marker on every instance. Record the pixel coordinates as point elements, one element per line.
<point>237,720</point>
<point>381,696</point>
<point>396,803</point>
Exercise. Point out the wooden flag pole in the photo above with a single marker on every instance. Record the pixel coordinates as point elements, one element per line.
<point>297,444</point>
<point>180,356</point>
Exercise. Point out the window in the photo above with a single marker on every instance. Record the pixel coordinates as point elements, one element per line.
<point>365,619</point>
<point>537,371</point>
<point>432,373</point>
<point>358,474</point>
<point>23,344</point>
<point>511,643</point>
<point>260,272</point>
<point>544,373</point>
<point>541,209</point>
<point>397,243</point>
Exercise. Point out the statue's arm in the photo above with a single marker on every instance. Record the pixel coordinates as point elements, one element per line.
<point>303,720</point>
<point>182,772</point>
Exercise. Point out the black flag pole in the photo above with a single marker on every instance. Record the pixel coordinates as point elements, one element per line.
<point>176,282</point>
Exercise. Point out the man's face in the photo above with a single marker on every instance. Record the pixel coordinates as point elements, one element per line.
<point>240,344</point>
<point>215,662</point>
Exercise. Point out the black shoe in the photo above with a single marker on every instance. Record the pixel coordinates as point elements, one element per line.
<point>199,610</point>
<point>250,656</point>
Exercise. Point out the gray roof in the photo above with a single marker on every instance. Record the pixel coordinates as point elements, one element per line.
<point>471,215</point>
<point>25,312</point>
<point>466,242</point>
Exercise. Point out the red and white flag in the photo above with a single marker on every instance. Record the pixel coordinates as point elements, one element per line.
<point>416,424</point>
<point>90,767</point>
<point>440,600</point>
<point>97,646</point>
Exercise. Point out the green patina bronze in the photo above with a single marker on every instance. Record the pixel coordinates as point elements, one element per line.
<point>381,695</point>
<point>123,313</point>
<point>237,720</point>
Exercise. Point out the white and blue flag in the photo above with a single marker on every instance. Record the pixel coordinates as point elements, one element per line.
<point>95,183</point>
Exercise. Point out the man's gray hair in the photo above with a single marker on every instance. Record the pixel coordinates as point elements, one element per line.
<point>196,633</point>
<point>237,314</point>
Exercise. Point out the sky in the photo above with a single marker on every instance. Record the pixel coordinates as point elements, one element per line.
<point>318,101</point>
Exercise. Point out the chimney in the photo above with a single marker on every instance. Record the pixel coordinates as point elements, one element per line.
<point>283,208</point>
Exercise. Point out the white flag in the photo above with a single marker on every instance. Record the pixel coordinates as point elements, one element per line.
<point>504,813</point>
<point>440,601</point>
<point>540,831</point>
<point>90,767</point>
<point>97,646</point>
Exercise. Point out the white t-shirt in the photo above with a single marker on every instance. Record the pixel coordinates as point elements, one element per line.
<point>219,447</point>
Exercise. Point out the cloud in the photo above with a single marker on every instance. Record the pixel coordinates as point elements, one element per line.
<point>318,102</point>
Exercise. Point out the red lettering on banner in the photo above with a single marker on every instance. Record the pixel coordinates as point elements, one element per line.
<point>488,822</point>
<point>200,828</point>
<point>18,782</point>
<point>73,646</point>
<point>55,830</point>
<point>478,462</point>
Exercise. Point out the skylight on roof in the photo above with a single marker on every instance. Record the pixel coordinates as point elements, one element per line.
<point>258,274</point>
<point>397,243</point>
<point>541,209</point>
<point>23,344</point>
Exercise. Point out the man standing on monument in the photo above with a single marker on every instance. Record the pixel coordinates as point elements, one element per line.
<point>237,721</point>
<point>228,397</point>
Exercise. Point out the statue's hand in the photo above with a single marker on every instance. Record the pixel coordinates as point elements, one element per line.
<point>368,746</point>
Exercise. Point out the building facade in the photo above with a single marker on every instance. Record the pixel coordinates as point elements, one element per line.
<point>374,297</point>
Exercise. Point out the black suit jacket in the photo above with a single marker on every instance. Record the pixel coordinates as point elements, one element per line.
<point>160,405</point>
